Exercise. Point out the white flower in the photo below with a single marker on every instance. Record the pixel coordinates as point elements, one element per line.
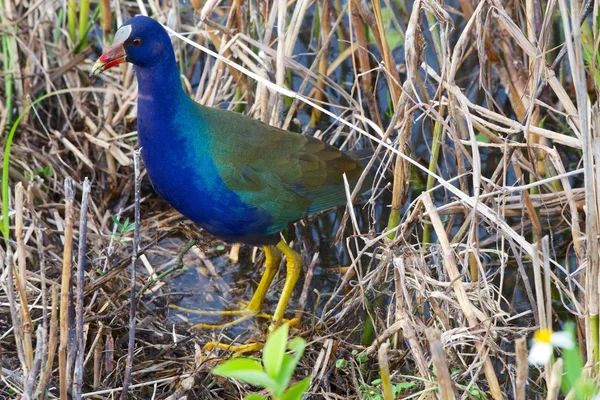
<point>543,344</point>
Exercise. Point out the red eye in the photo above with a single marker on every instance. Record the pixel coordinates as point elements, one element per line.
<point>137,42</point>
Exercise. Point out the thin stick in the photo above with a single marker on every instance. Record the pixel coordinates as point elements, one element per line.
<point>78,378</point>
<point>43,284</point>
<point>438,357</point>
<point>52,342</point>
<point>555,379</point>
<point>21,277</point>
<point>10,292</point>
<point>64,291</point>
<point>522,369</point>
<point>35,366</point>
<point>384,372</point>
<point>132,296</point>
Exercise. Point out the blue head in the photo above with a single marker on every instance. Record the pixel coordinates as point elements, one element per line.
<point>141,41</point>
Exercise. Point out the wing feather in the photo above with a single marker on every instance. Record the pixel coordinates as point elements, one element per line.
<point>286,174</point>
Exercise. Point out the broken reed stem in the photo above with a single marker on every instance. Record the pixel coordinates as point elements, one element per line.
<point>52,342</point>
<point>98,360</point>
<point>21,277</point>
<point>451,268</point>
<point>555,380</point>
<point>541,304</point>
<point>64,292</point>
<point>306,287</point>
<point>539,290</point>
<point>401,174</point>
<point>547,282</point>
<point>132,295</point>
<point>105,16</point>
<point>95,343</point>
<point>438,357</point>
<point>78,371</point>
<point>522,369</point>
<point>14,315</point>
<point>593,271</point>
<point>35,366</point>
<point>436,145</point>
<point>234,253</point>
<point>384,372</point>
<point>44,292</point>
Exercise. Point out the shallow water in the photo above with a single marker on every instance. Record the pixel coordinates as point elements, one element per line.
<point>226,286</point>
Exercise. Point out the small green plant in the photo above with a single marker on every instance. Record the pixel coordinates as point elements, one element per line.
<point>360,357</point>
<point>276,370</point>
<point>374,392</point>
<point>45,172</point>
<point>123,228</point>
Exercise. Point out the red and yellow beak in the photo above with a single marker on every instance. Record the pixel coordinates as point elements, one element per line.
<point>111,57</point>
<point>115,55</point>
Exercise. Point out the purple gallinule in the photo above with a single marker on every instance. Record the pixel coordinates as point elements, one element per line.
<point>236,177</point>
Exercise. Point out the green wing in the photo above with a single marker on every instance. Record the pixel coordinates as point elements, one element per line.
<point>286,174</point>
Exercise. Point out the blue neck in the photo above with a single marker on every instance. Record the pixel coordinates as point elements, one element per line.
<point>158,99</point>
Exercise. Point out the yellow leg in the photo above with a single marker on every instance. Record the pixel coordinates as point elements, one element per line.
<point>272,261</point>
<point>273,258</point>
<point>294,267</point>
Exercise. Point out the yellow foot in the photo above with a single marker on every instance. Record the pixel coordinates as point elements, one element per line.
<point>243,315</point>
<point>248,347</point>
<point>292,323</point>
<point>235,348</point>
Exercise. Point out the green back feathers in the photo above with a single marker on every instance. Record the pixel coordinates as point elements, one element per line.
<point>286,174</point>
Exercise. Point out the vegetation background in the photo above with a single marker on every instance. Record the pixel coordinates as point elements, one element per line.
<point>483,227</point>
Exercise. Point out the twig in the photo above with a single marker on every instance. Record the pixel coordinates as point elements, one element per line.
<point>555,380</point>
<point>52,342</point>
<point>522,369</point>
<point>21,278</point>
<point>35,366</point>
<point>10,291</point>
<point>441,366</point>
<point>44,343</point>
<point>384,372</point>
<point>78,371</point>
<point>65,288</point>
<point>132,295</point>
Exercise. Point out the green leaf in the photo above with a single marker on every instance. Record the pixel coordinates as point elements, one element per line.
<point>245,370</point>
<point>255,396</point>
<point>362,358</point>
<point>340,363</point>
<point>399,387</point>
<point>285,374</point>
<point>274,351</point>
<point>297,390</point>
<point>573,366</point>
<point>482,138</point>
<point>289,364</point>
<point>116,221</point>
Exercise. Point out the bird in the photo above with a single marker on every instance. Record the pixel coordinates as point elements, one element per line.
<point>236,177</point>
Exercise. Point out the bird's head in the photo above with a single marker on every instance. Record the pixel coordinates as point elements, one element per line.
<point>141,41</point>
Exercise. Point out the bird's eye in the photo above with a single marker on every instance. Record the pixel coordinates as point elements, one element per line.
<point>137,42</point>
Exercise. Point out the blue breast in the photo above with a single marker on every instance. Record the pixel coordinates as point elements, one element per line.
<point>176,152</point>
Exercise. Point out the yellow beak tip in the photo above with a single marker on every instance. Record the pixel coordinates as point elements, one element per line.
<point>97,69</point>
